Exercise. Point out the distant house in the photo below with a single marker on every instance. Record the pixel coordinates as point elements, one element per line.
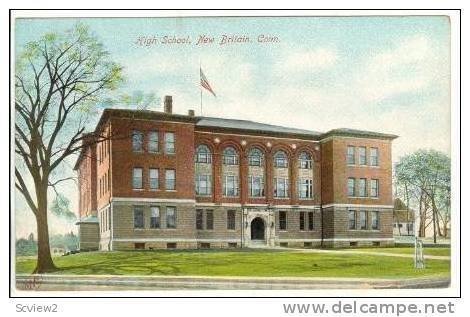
<point>403,219</point>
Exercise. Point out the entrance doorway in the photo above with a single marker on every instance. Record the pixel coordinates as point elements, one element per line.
<point>257,229</point>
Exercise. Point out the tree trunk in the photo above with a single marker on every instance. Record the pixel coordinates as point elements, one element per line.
<point>44,261</point>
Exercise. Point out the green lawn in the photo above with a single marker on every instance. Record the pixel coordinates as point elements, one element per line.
<point>440,251</point>
<point>239,263</point>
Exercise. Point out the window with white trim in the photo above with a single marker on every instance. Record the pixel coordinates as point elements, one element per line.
<point>362,187</point>
<point>154,217</point>
<point>137,182</point>
<point>256,186</point>
<point>362,155</point>
<point>153,142</point>
<point>374,156</point>
<point>281,187</point>
<point>351,187</point>
<point>203,154</point>
<point>374,219</point>
<point>137,141</point>
<point>374,188</point>
<point>153,178</point>
<point>170,179</point>
<point>138,217</point>
<point>351,155</point>
<point>171,217</point>
<point>169,143</point>
<point>230,156</point>
<point>203,185</point>
<point>280,160</point>
<point>305,188</point>
<point>230,186</point>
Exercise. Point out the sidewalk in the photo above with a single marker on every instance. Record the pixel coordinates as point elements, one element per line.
<point>50,282</point>
<point>399,255</point>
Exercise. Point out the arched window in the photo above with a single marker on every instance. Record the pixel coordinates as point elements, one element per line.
<point>280,159</point>
<point>305,161</point>
<point>230,156</point>
<point>255,157</point>
<point>203,154</point>
<point>137,141</point>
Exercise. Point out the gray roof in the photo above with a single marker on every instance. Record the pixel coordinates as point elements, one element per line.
<point>251,125</point>
<point>362,133</point>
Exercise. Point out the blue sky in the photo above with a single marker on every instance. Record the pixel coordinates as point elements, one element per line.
<point>386,74</point>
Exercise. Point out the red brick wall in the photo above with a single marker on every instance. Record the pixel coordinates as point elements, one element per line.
<point>235,141</point>
<point>123,159</point>
<point>336,172</point>
<point>87,182</point>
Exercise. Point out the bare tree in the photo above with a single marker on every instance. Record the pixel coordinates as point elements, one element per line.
<point>58,82</point>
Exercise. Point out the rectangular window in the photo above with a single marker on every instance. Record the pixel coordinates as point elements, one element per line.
<point>363,220</point>
<point>171,217</point>
<point>230,159</point>
<point>203,157</point>
<point>282,220</point>
<point>351,187</point>
<point>199,219</point>
<point>374,156</point>
<point>305,164</point>
<point>305,188</point>
<point>362,156</point>
<point>170,179</point>
<point>302,220</point>
<point>153,178</point>
<point>153,142</point>
<point>281,187</point>
<point>256,186</point>
<point>362,187</point>
<point>137,141</point>
<point>374,219</point>
<point>203,185</point>
<point>351,155</point>
<point>231,219</point>
<point>169,143</point>
<point>138,217</point>
<point>230,186</point>
<point>255,160</point>
<point>137,178</point>
<point>280,162</point>
<point>352,219</point>
<point>209,220</point>
<point>374,188</point>
<point>154,217</point>
<point>310,221</point>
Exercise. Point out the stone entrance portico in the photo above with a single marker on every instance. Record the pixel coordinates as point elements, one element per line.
<point>259,219</point>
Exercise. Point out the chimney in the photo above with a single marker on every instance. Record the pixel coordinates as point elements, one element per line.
<point>168,104</point>
<point>191,112</point>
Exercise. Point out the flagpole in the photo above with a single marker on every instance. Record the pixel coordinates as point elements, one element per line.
<point>200,86</point>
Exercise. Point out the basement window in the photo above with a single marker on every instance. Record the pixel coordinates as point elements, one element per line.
<point>307,244</point>
<point>232,245</point>
<point>353,244</point>
<point>171,245</point>
<point>139,246</point>
<point>205,245</point>
<point>284,244</point>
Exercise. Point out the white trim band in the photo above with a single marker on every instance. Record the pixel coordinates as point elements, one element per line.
<point>151,200</point>
<point>174,240</point>
<point>357,206</point>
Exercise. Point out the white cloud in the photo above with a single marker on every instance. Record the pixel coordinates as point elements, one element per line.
<point>409,66</point>
<point>308,60</point>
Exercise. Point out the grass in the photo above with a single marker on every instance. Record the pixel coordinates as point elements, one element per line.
<point>239,263</point>
<point>439,251</point>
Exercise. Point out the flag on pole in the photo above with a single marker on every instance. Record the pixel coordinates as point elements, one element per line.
<point>205,84</point>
